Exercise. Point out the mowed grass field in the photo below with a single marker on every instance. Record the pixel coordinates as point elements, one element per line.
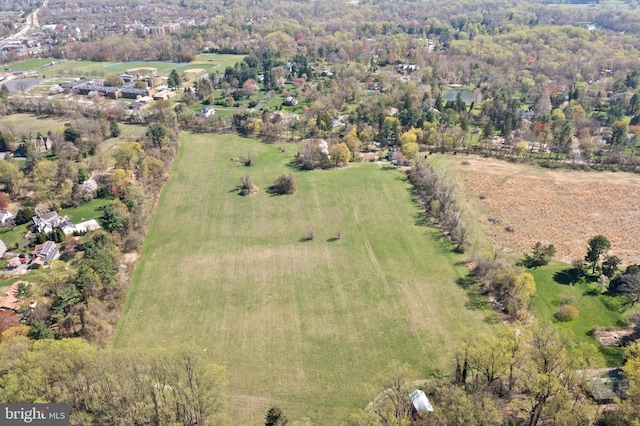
<point>309,326</point>
<point>209,62</point>
<point>22,122</point>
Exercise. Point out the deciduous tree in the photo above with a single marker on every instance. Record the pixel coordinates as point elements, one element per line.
<point>340,154</point>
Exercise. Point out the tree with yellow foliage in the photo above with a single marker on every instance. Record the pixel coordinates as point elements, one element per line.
<point>408,142</point>
<point>340,154</point>
<point>121,179</point>
<point>353,141</point>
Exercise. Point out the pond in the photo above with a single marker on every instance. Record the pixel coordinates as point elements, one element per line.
<point>467,96</point>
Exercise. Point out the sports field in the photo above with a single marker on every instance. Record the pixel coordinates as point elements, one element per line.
<point>305,325</point>
<point>208,62</point>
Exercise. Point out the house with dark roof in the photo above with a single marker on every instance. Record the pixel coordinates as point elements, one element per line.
<point>45,253</point>
<point>290,101</point>
<point>68,227</point>
<point>46,222</point>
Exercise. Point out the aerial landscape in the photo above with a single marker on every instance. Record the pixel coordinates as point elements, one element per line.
<point>358,213</point>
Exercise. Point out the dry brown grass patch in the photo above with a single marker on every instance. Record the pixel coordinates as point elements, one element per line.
<point>142,69</point>
<point>194,70</point>
<point>559,207</point>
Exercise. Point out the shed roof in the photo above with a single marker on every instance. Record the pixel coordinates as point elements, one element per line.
<point>420,401</point>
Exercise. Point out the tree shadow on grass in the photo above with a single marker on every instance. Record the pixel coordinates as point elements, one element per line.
<point>569,276</point>
<point>613,355</point>
<point>421,219</point>
<point>616,303</point>
<point>478,300</point>
<point>591,291</point>
<point>273,192</point>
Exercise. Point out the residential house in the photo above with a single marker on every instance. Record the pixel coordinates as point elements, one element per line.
<point>46,222</point>
<point>290,101</point>
<point>406,68</point>
<point>45,253</point>
<point>68,227</point>
<point>206,112</point>
<point>5,217</point>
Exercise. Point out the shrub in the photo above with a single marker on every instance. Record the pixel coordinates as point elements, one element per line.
<point>566,298</point>
<point>247,187</point>
<point>567,313</point>
<point>284,184</point>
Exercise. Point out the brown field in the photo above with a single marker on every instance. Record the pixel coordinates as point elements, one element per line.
<point>559,207</point>
<point>142,69</point>
<point>194,70</point>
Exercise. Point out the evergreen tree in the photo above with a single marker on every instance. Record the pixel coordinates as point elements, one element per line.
<point>174,79</point>
<point>114,129</point>
<point>4,93</point>
<point>598,246</point>
<point>275,417</point>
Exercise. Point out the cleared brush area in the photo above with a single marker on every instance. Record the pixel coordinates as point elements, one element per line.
<point>559,207</point>
<point>303,323</point>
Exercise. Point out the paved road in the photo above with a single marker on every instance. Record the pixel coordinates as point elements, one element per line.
<point>262,102</point>
<point>31,24</point>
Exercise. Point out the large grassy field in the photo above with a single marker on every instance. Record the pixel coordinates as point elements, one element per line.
<point>208,62</point>
<point>305,325</point>
<point>29,123</point>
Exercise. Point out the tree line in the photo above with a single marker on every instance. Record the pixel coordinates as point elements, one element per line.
<point>113,387</point>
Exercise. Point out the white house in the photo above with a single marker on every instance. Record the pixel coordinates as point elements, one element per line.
<point>68,227</point>
<point>46,222</point>
<point>5,216</point>
<point>206,112</point>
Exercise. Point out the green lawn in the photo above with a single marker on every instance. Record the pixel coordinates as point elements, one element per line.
<point>217,61</point>
<point>11,236</point>
<point>209,62</point>
<point>78,214</point>
<point>593,309</point>
<point>305,325</point>
<point>28,122</point>
<point>87,211</point>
